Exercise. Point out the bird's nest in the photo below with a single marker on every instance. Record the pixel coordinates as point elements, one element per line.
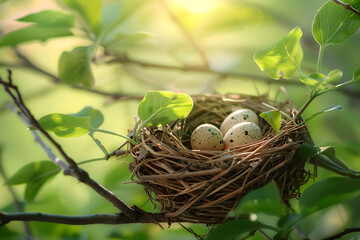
<point>204,186</point>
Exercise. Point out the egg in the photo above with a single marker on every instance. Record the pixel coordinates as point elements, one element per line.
<point>207,137</point>
<point>241,115</point>
<point>242,133</point>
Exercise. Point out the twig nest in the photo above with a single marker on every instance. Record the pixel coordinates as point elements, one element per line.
<point>203,186</point>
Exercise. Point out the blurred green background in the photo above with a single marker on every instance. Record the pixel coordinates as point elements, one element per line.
<point>229,32</point>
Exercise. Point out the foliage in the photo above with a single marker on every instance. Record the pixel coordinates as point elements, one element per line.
<point>106,32</point>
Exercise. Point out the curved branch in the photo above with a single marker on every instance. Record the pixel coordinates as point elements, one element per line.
<point>339,235</point>
<point>119,218</point>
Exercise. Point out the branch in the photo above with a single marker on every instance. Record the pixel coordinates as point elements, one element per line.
<point>69,166</point>
<point>26,63</point>
<point>347,6</point>
<point>187,35</point>
<point>119,218</point>
<point>339,235</point>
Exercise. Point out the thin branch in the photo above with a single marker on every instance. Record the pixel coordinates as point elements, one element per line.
<point>124,59</point>
<point>347,6</point>
<point>26,63</point>
<point>72,168</point>
<point>339,235</point>
<point>17,203</point>
<point>187,35</point>
<point>119,218</point>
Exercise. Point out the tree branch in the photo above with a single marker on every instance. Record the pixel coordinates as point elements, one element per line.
<point>72,168</point>
<point>347,6</point>
<point>119,218</point>
<point>26,63</point>
<point>339,235</point>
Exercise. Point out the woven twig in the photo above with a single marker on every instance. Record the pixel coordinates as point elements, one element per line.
<point>204,186</point>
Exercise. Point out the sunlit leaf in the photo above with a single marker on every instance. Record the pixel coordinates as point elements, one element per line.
<point>88,10</point>
<point>50,18</point>
<point>328,109</point>
<point>95,116</point>
<point>273,118</point>
<point>33,33</point>
<point>263,200</point>
<point>284,58</point>
<point>321,81</point>
<point>326,193</point>
<point>233,229</point>
<point>334,24</point>
<point>74,67</point>
<point>162,107</point>
<point>64,125</point>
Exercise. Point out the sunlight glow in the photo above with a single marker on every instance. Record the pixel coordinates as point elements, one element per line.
<point>198,6</point>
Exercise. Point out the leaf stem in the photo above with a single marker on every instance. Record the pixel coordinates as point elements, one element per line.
<point>98,143</point>
<point>116,134</point>
<point>320,56</point>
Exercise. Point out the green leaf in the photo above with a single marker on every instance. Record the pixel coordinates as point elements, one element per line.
<point>33,33</point>
<point>326,193</point>
<point>273,118</point>
<point>330,152</point>
<point>64,125</point>
<point>307,151</point>
<point>162,107</point>
<point>35,175</point>
<point>284,58</point>
<point>263,200</point>
<point>356,74</point>
<point>320,81</point>
<point>33,172</point>
<point>50,18</point>
<point>334,24</point>
<point>95,116</point>
<point>88,10</point>
<point>74,67</point>
<point>233,229</point>
<point>3,1</point>
<point>33,188</point>
<point>328,109</point>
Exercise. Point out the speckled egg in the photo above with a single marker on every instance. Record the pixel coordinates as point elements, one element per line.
<point>239,116</point>
<point>242,133</point>
<point>207,137</point>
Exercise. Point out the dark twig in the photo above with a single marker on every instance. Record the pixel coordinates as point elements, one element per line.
<point>187,35</point>
<point>119,218</point>
<point>339,235</point>
<point>347,6</point>
<point>72,169</point>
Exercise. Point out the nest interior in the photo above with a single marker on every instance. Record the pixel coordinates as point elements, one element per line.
<point>204,186</point>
